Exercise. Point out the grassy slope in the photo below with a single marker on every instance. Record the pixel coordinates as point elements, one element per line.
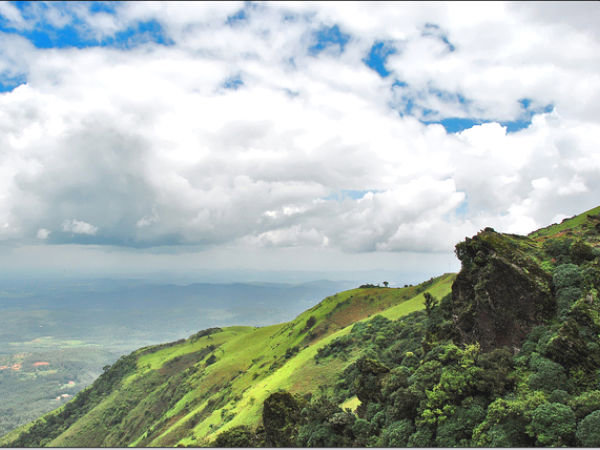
<point>176,397</point>
<point>576,226</point>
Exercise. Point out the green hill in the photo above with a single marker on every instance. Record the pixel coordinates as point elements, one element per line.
<point>187,392</point>
<point>504,354</point>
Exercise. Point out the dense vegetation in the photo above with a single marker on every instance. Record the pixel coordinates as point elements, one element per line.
<point>509,357</point>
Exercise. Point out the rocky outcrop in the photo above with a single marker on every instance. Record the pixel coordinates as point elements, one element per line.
<point>501,293</point>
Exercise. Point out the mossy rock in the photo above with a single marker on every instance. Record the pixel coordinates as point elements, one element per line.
<point>501,293</point>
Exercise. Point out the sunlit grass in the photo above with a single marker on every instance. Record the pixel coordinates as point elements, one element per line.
<point>228,385</point>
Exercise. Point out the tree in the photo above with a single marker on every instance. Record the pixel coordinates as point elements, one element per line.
<point>581,252</point>
<point>548,375</point>
<point>385,283</point>
<point>397,434</point>
<point>312,320</point>
<point>553,424</point>
<point>586,403</point>
<point>566,275</point>
<point>588,431</point>
<point>506,422</point>
<point>430,302</point>
<point>457,430</point>
<point>240,436</point>
<point>281,419</point>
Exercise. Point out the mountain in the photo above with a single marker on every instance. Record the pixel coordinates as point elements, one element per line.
<point>76,326</point>
<point>506,353</point>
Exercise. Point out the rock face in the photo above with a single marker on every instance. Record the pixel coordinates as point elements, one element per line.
<point>501,293</point>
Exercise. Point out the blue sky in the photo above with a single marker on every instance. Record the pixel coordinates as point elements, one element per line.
<point>45,34</point>
<point>74,34</point>
<point>268,128</point>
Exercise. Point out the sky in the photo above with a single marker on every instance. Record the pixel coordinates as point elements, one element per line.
<point>151,137</point>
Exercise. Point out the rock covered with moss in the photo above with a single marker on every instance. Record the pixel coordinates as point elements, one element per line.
<point>501,292</point>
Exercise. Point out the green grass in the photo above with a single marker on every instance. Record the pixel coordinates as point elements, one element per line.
<point>250,364</point>
<point>440,289</point>
<point>577,221</point>
<point>352,403</point>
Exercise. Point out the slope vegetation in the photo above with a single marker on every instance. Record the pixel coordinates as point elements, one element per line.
<point>188,392</point>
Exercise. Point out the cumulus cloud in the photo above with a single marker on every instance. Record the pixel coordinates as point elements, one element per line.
<point>42,233</point>
<point>78,227</point>
<point>153,145</point>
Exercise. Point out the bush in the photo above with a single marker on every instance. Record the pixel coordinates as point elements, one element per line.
<point>588,431</point>
<point>237,437</point>
<point>559,396</point>
<point>553,424</point>
<point>566,275</point>
<point>558,249</point>
<point>565,299</point>
<point>397,434</point>
<point>281,419</point>
<point>548,375</point>
<point>421,438</point>
<point>585,403</point>
<point>580,252</point>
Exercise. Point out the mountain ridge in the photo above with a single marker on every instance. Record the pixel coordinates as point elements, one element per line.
<point>442,363</point>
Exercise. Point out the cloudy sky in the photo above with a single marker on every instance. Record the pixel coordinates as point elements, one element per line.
<point>289,136</point>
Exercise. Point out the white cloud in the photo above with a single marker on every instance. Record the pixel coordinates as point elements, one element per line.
<point>12,15</point>
<point>43,233</point>
<point>78,227</point>
<point>149,146</point>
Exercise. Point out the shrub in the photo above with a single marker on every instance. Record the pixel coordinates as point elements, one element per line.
<point>397,434</point>
<point>588,431</point>
<point>566,275</point>
<point>281,418</point>
<point>580,252</point>
<point>585,403</point>
<point>558,249</point>
<point>421,438</point>
<point>236,437</point>
<point>548,375</point>
<point>456,431</point>
<point>310,323</point>
<point>553,424</point>
<point>559,396</point>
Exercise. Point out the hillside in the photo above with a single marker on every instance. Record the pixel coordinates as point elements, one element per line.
<point>186,392</point>
<point>504,354</point>
<point>77,326</point>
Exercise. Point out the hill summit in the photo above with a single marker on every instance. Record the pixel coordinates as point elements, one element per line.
<point>505,353</point>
